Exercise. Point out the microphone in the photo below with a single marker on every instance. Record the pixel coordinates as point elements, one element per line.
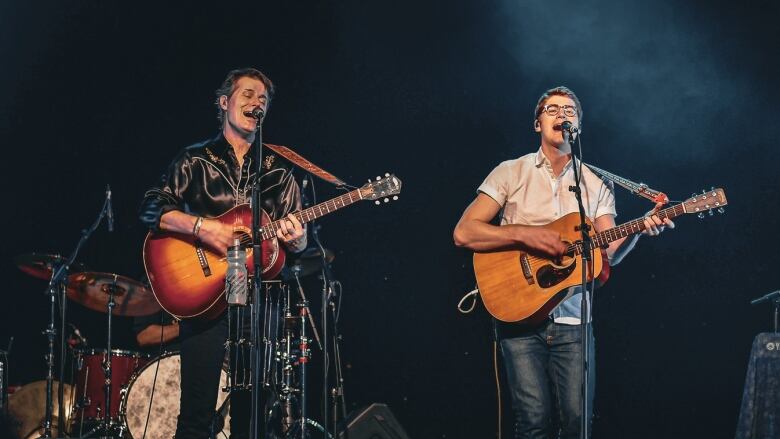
<point>109,209</point>
<point>569,127</point>
<point>77,333</point>
<point>774,295</point>
<point>258,113</point>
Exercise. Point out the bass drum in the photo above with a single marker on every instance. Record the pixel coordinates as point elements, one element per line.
<point>165,403</point>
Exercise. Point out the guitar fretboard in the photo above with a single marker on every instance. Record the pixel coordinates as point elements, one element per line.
<point>314,212</point>
<point>632,227</point>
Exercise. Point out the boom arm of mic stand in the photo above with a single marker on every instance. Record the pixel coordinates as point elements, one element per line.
<point>57,282</point>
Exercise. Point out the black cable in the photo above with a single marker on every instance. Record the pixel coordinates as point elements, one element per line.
<point>156,369</point>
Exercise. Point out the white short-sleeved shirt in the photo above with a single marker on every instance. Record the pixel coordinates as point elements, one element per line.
<point>532,195</point>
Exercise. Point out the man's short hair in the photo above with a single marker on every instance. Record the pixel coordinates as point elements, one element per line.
<point>558,91</point>
<point>229,86</point>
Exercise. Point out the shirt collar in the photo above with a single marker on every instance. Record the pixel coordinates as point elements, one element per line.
<point>542,160</point>
<point>224,150</point>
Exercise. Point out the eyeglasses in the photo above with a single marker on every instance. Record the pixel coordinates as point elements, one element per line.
<point>554,109</point>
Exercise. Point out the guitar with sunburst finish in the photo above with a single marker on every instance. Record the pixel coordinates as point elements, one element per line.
<point>517,286</point>
<point>188,278</point>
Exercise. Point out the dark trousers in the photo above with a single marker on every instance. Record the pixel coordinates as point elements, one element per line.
<point>202,357</point>
<point>545,380</point>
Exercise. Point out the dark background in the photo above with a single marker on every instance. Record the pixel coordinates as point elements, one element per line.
<point>679,95</point>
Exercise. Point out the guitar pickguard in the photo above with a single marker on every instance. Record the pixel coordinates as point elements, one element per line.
<point>549,275</point>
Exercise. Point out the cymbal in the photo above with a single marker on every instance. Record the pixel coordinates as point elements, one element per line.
<point>28,406</point>
<point>40,264</point>
<point>310,261</point>
<point>132,298</point>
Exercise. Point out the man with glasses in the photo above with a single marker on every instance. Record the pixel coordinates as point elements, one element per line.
<point>542,363</point>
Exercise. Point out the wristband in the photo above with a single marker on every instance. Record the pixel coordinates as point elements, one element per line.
<point>196,228</point>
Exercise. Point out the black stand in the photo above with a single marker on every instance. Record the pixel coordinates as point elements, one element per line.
<point>58,284</point>
<point>257,259</point>
<point>335,394</point>
<point>585,309</point>
<point>773,297</point>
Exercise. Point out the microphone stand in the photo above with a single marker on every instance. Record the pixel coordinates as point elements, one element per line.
<point>328,294</point>
<point>57,284</point>
<point>585,309</point>
<point>257,259</point>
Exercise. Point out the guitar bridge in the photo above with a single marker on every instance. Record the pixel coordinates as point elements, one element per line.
<point>527,273</point>
<point>204,263</point>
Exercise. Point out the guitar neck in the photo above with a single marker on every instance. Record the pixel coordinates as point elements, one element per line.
<point>314,212</point>
<point>602,239</point>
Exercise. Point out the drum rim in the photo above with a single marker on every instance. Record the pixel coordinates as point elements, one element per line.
<point>120,352</point>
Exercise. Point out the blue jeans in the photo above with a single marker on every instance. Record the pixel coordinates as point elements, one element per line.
<point>545,379</point>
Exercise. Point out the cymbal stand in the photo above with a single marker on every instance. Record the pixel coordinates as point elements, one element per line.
<point>285,358</point>
<point>113,291</point>
<point>58,284</point>
<point>292,354</point>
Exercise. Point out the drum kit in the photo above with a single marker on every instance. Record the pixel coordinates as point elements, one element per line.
<point>122,393</point>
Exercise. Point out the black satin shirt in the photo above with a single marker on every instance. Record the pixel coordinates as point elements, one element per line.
<point>205,180</point>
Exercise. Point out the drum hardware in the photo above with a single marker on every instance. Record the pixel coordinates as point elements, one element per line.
<point>42,265</point>
<point>114,295</point>
<point>286,409</point>
<point>91,404</point>
<point>309,262</point>
<point>4,374</point>
<point>55,268</point>
<point>131,298</point>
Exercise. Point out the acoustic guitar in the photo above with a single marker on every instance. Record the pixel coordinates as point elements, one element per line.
<point>518,286</point>
<point>188,279</point>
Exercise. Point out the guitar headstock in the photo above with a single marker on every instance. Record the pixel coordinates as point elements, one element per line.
<point>706,202</point>
<point>383,188</point>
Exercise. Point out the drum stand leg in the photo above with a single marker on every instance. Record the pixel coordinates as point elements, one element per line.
<point>50,332</point>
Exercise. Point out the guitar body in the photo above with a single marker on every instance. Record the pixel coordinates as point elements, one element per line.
<point>517,286</point>
<point>188,279</point>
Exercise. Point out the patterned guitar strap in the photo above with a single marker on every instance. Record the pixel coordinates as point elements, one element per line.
<point>303,163</point>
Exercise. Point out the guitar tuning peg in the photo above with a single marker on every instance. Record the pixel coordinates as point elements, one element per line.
<point>387,174</point>
<point>694,195</point>
<point>700,215</point>
<point>378,178</point>
<point>369,180</point>
<point>395,197</point>
<point>712,188</point>
<point>721,210</point>
<point>386,200</point>
<point>711,212</point>
<point>377,202</point>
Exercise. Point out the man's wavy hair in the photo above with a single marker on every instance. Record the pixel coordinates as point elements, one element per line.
<point>557,91</point>
<point>229,86</point>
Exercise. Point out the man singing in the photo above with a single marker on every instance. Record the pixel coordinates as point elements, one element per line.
<point>204,181</point>
<point>542,362</point>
